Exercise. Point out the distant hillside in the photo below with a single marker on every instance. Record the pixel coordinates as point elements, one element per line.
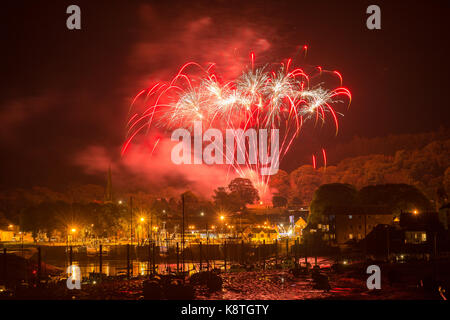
<point>422,160</point>
<point>388,145</point>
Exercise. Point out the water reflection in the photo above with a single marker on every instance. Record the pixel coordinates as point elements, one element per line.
<point>139,268</point>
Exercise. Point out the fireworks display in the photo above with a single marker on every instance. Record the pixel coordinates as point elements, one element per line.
<point>281,97</point>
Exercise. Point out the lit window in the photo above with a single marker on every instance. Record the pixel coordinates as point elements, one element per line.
<point>415,237</point>
<point>350,236</point>
<point>350,216</point>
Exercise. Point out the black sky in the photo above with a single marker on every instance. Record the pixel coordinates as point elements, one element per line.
<point>62,91</point>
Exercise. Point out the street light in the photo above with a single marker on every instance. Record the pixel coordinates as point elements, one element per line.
<point>222,219</point>
<point>139,231</point>
<point>70,237</point>
<point>165,229</point>
<point>202,214</point>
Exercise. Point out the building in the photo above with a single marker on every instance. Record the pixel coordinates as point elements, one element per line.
<point>6,235</point>
<point>347,224</point>
<point>292,229</point>
<point>416,233</point>
<point>7,229</point>
<point>11,233</point>
<point>260,235</point>
<point>299,225</point>
<point>444,215</point>
<point>421,227</point>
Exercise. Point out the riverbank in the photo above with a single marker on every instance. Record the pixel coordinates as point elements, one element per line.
<point>407,281</point>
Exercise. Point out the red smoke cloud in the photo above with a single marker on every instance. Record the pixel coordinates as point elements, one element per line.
<point>157,56</point>
<point>143,169</point>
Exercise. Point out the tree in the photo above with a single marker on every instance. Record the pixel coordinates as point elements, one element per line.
<point>396,196</point>
<point>441,196</point>
<point>446,181</point>
<point>305,181</point>
<point>44,217</point>
<point>329,195</point>
<point>85,193</point>
<point>279,183</point>
<point>161,207</point>
<point>226,201</point>
<point>279,201</point>
<point>191,203</point>
<point>296,201</point>
<point>245,191</point>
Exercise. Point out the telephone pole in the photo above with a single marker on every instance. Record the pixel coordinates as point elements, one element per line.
<point>182,233</point>
<point>131,220</point>
<point>130,260</point>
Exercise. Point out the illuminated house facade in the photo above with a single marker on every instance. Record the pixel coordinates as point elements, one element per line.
<point>347,224</point>
<point>416,233</point>
<point>421,228</point>
<point>260,235</point>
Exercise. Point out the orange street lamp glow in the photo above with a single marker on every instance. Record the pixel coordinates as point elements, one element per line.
<point>142,219</point>
<point>73,230</point>
<point>415,212</point>
<point>222,218</point>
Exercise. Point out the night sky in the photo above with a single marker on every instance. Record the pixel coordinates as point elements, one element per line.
<point>64,95</point>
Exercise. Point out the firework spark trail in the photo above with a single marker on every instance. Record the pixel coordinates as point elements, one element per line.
<point>261,98</point>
